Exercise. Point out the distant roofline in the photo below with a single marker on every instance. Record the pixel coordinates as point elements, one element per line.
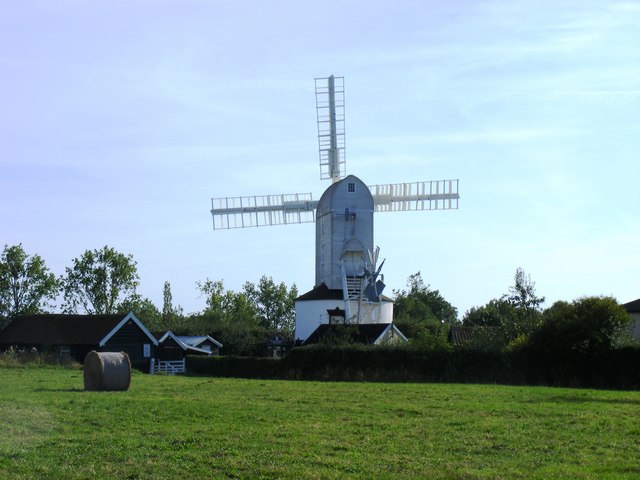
<point>183,345</point>
<point>204,338</point>
<point>632,306</point>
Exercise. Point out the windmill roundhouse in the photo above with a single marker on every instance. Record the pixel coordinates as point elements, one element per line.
<point>348,284</point>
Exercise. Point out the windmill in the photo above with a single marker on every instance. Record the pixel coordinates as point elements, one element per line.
<point>347,273</point>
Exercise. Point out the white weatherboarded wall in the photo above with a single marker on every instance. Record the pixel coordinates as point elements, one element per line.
<point>312,313</point>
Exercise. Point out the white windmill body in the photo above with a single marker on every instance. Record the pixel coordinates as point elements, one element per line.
<point>348,285</point>
<point>344,231</point>
<point>344,242</point>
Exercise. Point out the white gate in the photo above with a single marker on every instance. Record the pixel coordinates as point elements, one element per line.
<point>168,367</point>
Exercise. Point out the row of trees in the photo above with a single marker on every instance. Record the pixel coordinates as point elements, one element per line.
<point>515,320</point>
<point>99,281</point>
<point>105,281</point>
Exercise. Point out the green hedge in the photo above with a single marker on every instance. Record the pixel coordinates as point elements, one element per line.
<point>617,369</point>
<point>241,367</point>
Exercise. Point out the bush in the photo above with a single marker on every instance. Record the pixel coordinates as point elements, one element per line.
<point>21,357</point>
<point>589,324</point>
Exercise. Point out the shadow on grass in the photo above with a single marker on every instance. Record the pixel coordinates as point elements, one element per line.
<point>40,389</point>
<point>580,399</point>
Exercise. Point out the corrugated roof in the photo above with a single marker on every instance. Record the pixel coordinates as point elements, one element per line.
<point>197,340</point>
<point>57,329</point>
<point>461,335</point>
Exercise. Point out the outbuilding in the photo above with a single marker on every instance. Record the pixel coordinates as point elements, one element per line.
<point>202,342</point>
<point>73,336</point>
<point>173,347</point>
<point>633,309</point>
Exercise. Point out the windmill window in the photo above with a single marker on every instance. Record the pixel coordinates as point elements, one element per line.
<point>351,187</point>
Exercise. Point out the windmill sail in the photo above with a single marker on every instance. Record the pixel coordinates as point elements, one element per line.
<point>429,195</point>
<point>262,210</point>
<point>269,210</point>
<point>331,136</point>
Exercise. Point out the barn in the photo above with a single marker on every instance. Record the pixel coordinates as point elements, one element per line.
<point>76,335</point>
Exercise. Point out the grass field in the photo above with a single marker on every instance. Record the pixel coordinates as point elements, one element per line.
<point>197,427</point>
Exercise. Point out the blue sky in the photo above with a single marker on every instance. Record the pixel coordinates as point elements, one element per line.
<point>120,120</point>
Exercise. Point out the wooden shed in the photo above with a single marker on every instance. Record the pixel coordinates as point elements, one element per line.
<point>76,335</point>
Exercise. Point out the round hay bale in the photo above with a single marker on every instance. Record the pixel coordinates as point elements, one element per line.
<point>107,371</point>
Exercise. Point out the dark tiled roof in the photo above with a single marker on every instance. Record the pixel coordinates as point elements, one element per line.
<point>57,329</point>
<point>322,292</point>
<point>632,307</point>
<point>461,335</point>
<point>363,333</point>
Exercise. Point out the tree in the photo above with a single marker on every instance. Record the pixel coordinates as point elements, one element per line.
<point>167,303</point>
<point>423,314</point>
<point>421,303</point>
<point>100,281</point>
<point>527,312</point>
<point>26,285</point>
<point>229,317</point>
<point>226,306</point>
<point>170,315</point>
<point>523,292</point>
<point>517,312</point>
<point>213,291</point>
<point>274,304</point>
<point>490,321</point>
<point>494,314</point>
<point>588,324</point>
<point>145,310</point>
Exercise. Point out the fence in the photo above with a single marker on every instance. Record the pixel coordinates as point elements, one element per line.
<point>168,367</point>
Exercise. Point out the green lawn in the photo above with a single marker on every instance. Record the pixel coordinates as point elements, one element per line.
<point>196,427</point>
